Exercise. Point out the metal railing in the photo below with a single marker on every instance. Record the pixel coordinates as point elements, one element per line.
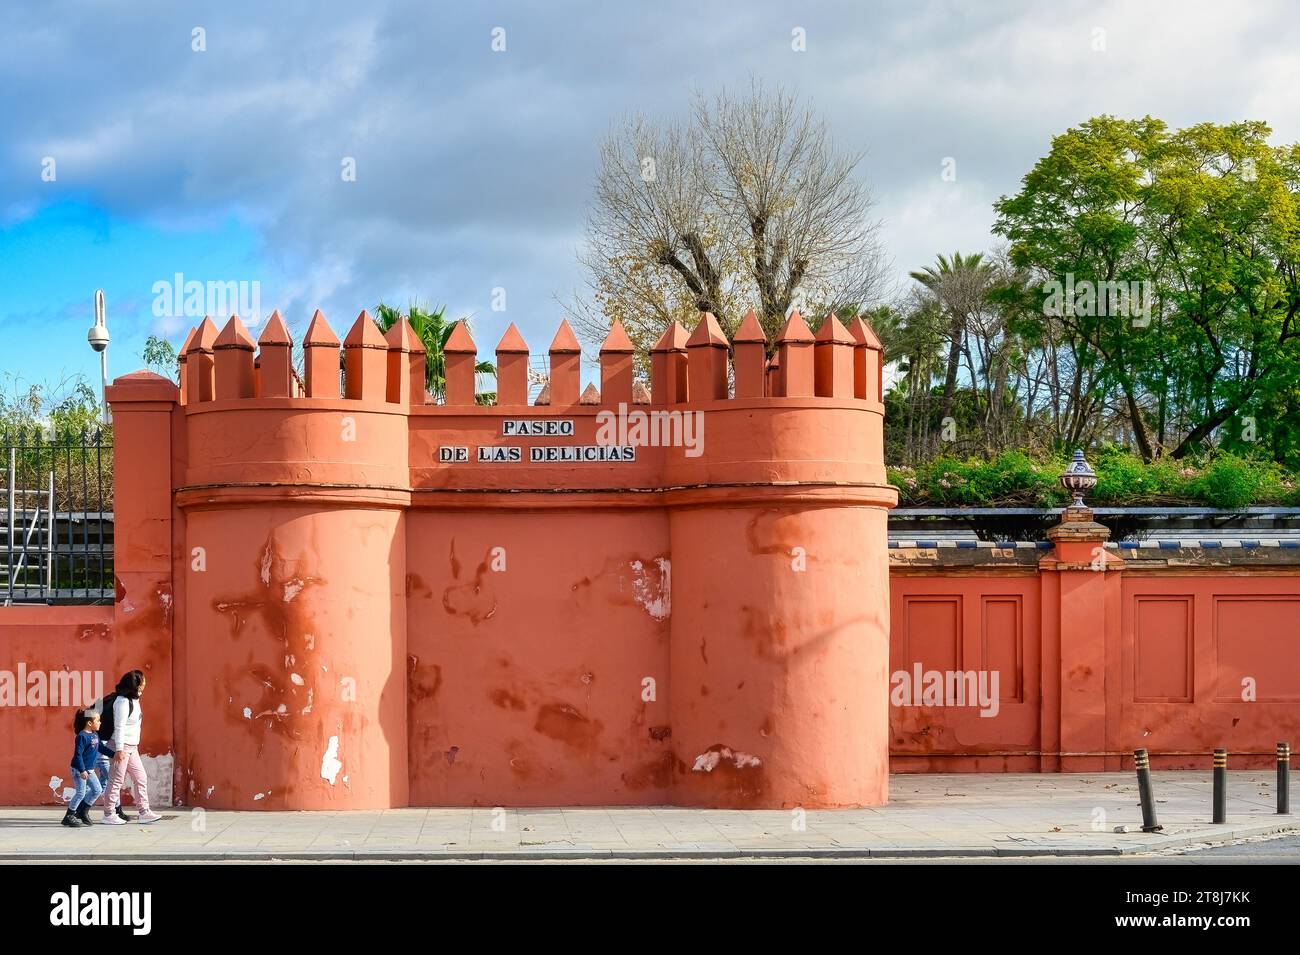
<point>56,540</point>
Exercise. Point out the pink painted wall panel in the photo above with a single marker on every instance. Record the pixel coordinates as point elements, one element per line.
<point>933,631</point>
<point>1257,638</point>
<point>976,624</point>
<point>1163,649</point>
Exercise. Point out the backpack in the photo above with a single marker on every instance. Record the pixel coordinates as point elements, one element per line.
<point>105,708</point>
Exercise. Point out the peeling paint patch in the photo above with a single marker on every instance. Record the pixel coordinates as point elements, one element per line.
<point>257,796</point>
<point>307,709</point>
<point>248,713</point>
<point>310,640</point>
<point>55,783</point>
<point>330,764</point>
<point>158,774</point>
<point>211,790</point>
<point>293,588</point>
<point>708,762</point>
<point>266,565</point>
<point>652,589</point>
<point>296,680</point>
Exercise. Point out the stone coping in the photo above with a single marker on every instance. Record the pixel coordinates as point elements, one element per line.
<point>1164,551</point>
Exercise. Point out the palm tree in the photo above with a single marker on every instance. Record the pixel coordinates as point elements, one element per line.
<point>960,286</point>
<point>913,340</point>
<point>433,329</point>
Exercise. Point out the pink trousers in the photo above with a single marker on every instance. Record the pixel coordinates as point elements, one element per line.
<point>117,775</point>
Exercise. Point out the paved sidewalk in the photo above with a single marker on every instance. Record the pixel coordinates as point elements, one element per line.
<point>940,815</point>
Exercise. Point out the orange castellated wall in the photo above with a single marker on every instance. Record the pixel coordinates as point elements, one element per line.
<point>383,601</point>
<point>340,601</point>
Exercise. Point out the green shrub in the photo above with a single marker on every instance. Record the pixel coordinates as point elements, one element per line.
<point>1018,479</point>
<point>1124,478</point>
<point>1231,481</point>
<point>1012,478</point>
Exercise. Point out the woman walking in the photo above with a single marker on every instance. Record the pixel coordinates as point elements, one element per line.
<point>127,717</point>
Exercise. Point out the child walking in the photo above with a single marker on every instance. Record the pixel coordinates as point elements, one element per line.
<point>85,754</point>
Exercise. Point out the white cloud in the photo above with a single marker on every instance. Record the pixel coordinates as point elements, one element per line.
<point>474,167</point>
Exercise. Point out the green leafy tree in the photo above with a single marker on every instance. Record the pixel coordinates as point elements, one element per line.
<point>1185,245</point>
<point>160,357</point>
<point>64,410</point>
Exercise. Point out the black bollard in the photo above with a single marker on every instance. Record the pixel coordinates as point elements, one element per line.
<point>1142,763</point>
<point>1220,786</point>
<point>1284,779</point>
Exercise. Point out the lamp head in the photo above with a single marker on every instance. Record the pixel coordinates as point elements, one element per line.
<point>98,334</point>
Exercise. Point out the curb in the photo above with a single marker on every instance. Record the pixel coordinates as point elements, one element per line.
<point>577,853</point>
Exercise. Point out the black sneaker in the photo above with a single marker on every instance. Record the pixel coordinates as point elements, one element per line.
<point>122,815</point>
<point>70,820</point>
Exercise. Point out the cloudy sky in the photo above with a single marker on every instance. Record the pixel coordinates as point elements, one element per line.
<point>128,156</point>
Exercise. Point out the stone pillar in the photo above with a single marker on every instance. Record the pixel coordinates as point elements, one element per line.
<point>144,409</point>
<point>1081,602</point>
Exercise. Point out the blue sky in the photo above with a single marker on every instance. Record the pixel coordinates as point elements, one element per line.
<point>474,167</point>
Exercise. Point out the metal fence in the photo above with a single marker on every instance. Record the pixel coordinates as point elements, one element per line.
<point>57,534</point>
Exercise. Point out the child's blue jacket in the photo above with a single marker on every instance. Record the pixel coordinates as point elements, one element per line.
<point>85,752</point>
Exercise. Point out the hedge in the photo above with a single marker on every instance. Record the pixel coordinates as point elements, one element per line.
<point>1015,479</point>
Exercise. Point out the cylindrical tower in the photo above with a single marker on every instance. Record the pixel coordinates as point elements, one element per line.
<point>295,565</point>
<point>780,624</point>
<point>780,652</point>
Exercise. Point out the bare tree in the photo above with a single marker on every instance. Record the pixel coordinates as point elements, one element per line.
<point>747,205</point>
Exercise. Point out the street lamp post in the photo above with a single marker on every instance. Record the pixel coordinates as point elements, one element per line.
<point>98,338</point>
